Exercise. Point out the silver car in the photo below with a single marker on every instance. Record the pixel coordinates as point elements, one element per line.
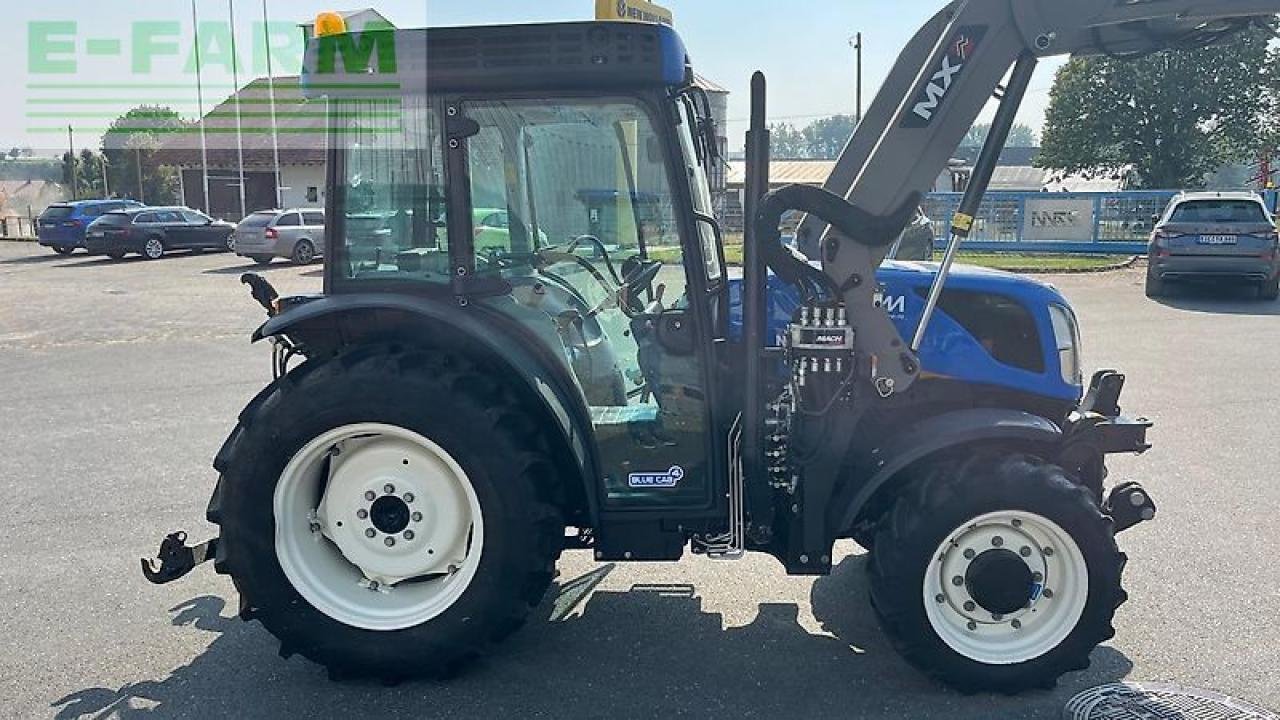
<point>296,234</point>
<point>1211,235</point>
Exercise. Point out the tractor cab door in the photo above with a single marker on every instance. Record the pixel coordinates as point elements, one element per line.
<point>583,206</point>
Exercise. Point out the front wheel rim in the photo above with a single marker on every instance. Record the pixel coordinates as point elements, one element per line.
<point>998,635</point>
<point>154,248</point>
<point>377,527</point>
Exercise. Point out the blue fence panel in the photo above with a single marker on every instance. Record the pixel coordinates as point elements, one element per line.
<point>1118,222</point>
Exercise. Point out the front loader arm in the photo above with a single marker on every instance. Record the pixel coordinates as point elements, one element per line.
<point>935,91</point>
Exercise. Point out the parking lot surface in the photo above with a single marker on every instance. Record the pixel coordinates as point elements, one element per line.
<point>119,381</point>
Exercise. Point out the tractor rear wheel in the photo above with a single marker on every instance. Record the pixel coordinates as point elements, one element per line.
<point>387,513</point>
<point>996,573</point>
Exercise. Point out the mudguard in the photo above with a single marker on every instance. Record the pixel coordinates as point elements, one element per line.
<point>543,380</point>
<point>935,434</point>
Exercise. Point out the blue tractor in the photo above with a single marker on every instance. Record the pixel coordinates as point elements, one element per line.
<point>448,416</point>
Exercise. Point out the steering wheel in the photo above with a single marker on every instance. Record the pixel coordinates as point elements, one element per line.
<point>641,274</point>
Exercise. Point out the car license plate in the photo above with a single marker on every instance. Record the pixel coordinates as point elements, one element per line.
<point>1217,239</point>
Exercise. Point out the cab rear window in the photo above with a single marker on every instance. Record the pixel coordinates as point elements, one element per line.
<point>1219,211</point>
<point>113,218</point>
<point>57,212</point>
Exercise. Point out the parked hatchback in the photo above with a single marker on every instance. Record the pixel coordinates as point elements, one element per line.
<point>296,234</point>
<point>1215,235</point>
<point>62,226</point>
<point>152,232</point>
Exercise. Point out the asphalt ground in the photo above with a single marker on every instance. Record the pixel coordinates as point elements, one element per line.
<point>119,381</point>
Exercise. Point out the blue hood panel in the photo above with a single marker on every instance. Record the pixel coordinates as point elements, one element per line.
<point>948,349</point>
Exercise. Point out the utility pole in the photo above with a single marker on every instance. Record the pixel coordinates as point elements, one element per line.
<point>106,183</point>
<point>75,176</point>
<point>856,43</point>
<point>142,194</point>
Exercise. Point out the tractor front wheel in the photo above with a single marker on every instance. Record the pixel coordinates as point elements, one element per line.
<point>996,573</point>
<point>387,513</point>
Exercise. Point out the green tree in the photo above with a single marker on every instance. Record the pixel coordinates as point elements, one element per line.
<point>826,137</point>
<point>132,144</point>
<point>1169,118</point>
<point>785,141</point>
<point>1019,136</point>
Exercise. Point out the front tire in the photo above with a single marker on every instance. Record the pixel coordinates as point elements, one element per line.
<point>427,410</point>
<point>996,573</point>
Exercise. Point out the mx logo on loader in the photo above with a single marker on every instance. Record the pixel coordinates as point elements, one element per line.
<point>925,104</point>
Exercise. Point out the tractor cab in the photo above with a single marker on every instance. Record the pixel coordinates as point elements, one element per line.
<point>550,181</point>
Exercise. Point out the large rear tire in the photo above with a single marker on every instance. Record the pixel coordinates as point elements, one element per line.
<point>442,448</point>
<point>996,573</point>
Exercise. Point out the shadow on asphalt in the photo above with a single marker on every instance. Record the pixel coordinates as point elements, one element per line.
<point>1219,298</point>
<point>650,651</point>
<point>94,261</point>
<point>35,259</point>
<point>252,267</point>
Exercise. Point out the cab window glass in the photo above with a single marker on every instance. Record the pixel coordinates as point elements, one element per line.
<point>392,198</point>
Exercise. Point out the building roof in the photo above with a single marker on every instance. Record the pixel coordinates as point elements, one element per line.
<point>784,172</point>
<point>357,20</point>
<point>1014,155</point>
<point>301,129</point>
<point>708,85</point>
<point>1019,177</point>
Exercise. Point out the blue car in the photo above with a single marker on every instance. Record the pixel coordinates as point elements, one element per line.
<point>61,226</point>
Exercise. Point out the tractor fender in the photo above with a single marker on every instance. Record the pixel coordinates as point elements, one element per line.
<point>539,378</point>
<point>932,435</point>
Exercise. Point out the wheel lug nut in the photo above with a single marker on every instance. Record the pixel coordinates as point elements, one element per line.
<point>370,533</point>
<point>417,517</point>
<point>408,534</point>
<point>997,541</point>
<point>389,541</point>
<point>1048,594</point>
<point>969,554</point>
<point>957,581</point>
<point>997,617</point>
<point>1048,552</point>
<point>972,625</point>
<point>362,513</point>
<point>1025,551</point>
<point>1017,624</point>
<point>969,606</point>
<point>370,495</point>
<point>408,497</point>
<point>388,488</point>
<point>1016,522</point>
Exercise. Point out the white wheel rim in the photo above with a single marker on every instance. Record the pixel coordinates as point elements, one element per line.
<point>1056,603</point>
<point>323,540</point>
<point>154,248</point>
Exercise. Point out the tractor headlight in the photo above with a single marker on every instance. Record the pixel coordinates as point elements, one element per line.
<point>1066,335</point>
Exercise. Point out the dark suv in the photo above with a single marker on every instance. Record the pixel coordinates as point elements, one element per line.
<point>62,225</point>
<point>151,232</point>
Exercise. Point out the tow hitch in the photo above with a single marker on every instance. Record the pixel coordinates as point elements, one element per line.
<point>1129,504</point>
<point>175,559</point>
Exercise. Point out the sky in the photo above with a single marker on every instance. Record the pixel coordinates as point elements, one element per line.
<point>65,67</point>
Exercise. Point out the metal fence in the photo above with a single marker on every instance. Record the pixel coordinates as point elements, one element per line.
<point>1117,222</point>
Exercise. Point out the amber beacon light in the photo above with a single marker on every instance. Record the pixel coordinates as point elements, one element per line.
<point>330,23</point>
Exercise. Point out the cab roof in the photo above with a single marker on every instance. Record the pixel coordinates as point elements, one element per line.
<point>493,58</point>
